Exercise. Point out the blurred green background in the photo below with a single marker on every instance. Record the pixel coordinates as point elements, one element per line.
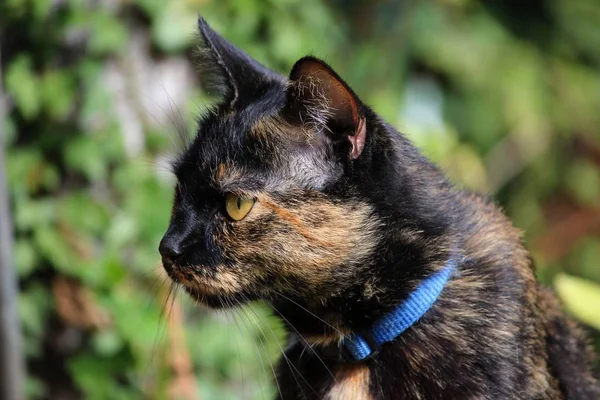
<point>504,95</point>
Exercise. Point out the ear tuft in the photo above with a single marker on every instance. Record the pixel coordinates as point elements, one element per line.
<point>229,72</point>
<point>215,77</point>
<point>324,98</point>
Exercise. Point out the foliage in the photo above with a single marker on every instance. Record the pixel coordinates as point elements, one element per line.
<point>507,108</point>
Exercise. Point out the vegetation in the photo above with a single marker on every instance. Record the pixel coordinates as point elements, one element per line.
<point>505,98</point>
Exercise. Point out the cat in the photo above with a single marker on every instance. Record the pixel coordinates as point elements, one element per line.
<point>392,282</point>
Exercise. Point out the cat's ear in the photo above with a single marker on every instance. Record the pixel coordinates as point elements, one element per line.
<point>229,73</point>
<point>317,95</point>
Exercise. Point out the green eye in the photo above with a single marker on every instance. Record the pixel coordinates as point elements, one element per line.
<point>237,207</point>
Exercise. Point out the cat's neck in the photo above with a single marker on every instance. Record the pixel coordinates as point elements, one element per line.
<point>393,173</point>
<point>355,310</point>
<point>486,241</point>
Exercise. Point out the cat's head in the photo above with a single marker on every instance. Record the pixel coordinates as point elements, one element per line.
<point>266,202</point>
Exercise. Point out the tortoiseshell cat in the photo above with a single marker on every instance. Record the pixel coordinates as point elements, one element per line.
<point>296,193</point>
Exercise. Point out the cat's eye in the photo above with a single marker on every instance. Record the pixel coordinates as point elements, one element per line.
<point>237,207</point>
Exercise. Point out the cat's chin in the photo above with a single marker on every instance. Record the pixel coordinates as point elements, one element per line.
<point>217,301</point>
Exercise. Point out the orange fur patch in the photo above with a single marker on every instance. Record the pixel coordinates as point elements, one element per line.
<point>352,383</point>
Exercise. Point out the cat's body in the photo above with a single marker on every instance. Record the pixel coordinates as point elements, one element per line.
<point>296,193</point>
<point>494,333</point>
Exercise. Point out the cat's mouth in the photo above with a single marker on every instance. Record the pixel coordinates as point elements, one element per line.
<point>214,286</point>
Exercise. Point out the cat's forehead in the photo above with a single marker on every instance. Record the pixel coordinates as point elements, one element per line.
<point>266,153</point>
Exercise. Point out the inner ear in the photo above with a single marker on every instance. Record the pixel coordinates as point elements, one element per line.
<point>319,77</point>
<point>319,93</point>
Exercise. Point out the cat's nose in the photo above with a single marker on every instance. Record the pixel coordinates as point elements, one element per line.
<point>170,248</point>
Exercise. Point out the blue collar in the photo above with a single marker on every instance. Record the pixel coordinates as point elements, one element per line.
<point>391,325</point>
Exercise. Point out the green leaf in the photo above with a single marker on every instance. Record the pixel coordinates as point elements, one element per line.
<point>579,297</point>
<point>174,28</point>
<point>23,85</point>
<point>583,178</point>
<point>84,213</point>
<point>53,247</point>
<point>9,128</point>
<point>27,170</point>
<point>107,343</point>
<point>123,229</point>
<point>35,388</point>
<point>135,321</point>
<point>34,214</point>
<point>82,155</point>
<point>41,8</point>
<point>58,92</point>
<point>108,34</point>
<point>98,377</point>
<point>153,8</point>
<point>33,308</point>
<point>19,164</point>
<point>25,257</point>
<point>15,7</point>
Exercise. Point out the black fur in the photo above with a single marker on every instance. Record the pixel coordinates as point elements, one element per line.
<point>493,333</point>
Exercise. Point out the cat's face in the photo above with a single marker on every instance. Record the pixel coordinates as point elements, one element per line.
<point>262,208</point>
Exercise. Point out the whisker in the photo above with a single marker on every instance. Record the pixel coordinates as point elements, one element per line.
<point>235,306</point>
<point>285,357</point>
<point>236,309</point>
<point>157,122</point>
<point>308,311</point>
<point>242,309</point>
<point>157,286</point>
<point>162,325</point>
<point>158,166</point>
<point>180,127</point>
<point>307,345</point>
<point>237,346</point>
